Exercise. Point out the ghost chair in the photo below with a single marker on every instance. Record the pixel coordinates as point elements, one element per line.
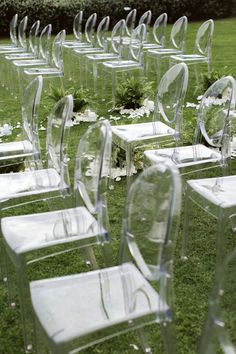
<point>77,311</point>
<point>129,27</point>
<point>53,72</point>
<point>69,43</point>
<point>133,65</point>
<point>94,61</point>
<point>25,150</point>
<point>83,226</point>
<point>13,34</point>
<point>177,46</point>
<point>21,48</point>
<point>87,41</point>
<point>218,334</point>
<point>43,58</point>
<point>202,53</point>
<point>32,53</point>
<point>166,126</point>
<point>37,184</point>
<point>100,46</point>
<point>211,142</point>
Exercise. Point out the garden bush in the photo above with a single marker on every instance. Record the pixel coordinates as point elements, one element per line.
<point>61,12</point>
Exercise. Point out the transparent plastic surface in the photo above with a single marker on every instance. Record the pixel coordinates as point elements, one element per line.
<point>117,296</point>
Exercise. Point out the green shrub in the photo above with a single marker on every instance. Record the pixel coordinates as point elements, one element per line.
<point>79,97</point>
<point>214,75</point>
<point>131,92</point>
<point>60,13</point>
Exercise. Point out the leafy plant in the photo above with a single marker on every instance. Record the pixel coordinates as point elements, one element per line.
<point>131,92</point>
<point>214,75</point>
<point>80,101</point>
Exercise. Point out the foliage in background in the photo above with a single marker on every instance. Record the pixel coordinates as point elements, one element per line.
<point>130,93</point>
<point>60,13</point>
<point>214,75</point>
<point>79,97</point>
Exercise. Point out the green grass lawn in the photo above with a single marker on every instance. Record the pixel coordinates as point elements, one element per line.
<point>193,278</point>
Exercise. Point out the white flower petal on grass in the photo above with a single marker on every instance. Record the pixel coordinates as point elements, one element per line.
<point>118,179</point>
<point>191,105</point>
<point>6,130</point>
<point>199,97</point>
<point>42,128</point>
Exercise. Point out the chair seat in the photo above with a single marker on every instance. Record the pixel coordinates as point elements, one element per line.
<point>74,43</point>
<point>219,191</point>
<point>15,148</point>
<point>11,50</point>
<point>147,46</point>
<point>185,156</point>
<point>122,64</point>
<point>29,62</point>
<point>102,56</point>
<point>141,131</point>
<point>20,56</point>
<point>26,233</point>
<point>73,306</point>
<point>189,58</point>
<point>44,71</point>
<point>164,51</point>
<point>88,50</point>
<point>28,183</point>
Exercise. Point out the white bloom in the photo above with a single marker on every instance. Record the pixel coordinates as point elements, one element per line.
<point>148,104</point>
<point>42,128</point>
<point>6,130</point>
<point>199,97</point>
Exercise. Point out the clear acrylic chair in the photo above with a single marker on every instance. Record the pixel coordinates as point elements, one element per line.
<point>87,41</point>
<point>38,181</point>
<point>202,49</point>
<point>134,63</point>
<point>32,53</point>
<point>130,296</point>
<point>100,47</point>
<point>69,43</point>
<point>211,142</point>
<point>43,58</point>
<point>24,150</point>
<point>158,33</point>
<point>13,34</point>
<point>177,46</point>
<point>93,60</point>
<point>55,70</point>
<point>166,127</point>
<point>84,225</point>
<point>218,334</point>
<point>129,27</point>
<point>21,48</point>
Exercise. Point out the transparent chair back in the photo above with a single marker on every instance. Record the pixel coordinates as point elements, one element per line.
<point>218,335</point>
<point>117,36</point>
<point>29,111</point>
<point>204,37</point>
<point>138,37</point>
<point>21,32</point>
<point>102,32</point>
<point>178,32</point>
<point>44,43</point>
<point>146,18</point>
<point>57,54</point>
<point>159,29</point>
<point>213,122</point>
<point>130,22</point>
<point>77,26</point>
<point>170,96</point>
<point>92,166</point>
<point>90,28</point>
<point>13,25</point>
<point>149,230</point>
<point>33,38</point>
<point>57,131</point>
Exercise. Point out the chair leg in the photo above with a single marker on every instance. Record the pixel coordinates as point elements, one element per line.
<point>128,164</point>
<point>25,306</point>
<point>168,337</point>
<point>143,341</point>
<point>187,210</point>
